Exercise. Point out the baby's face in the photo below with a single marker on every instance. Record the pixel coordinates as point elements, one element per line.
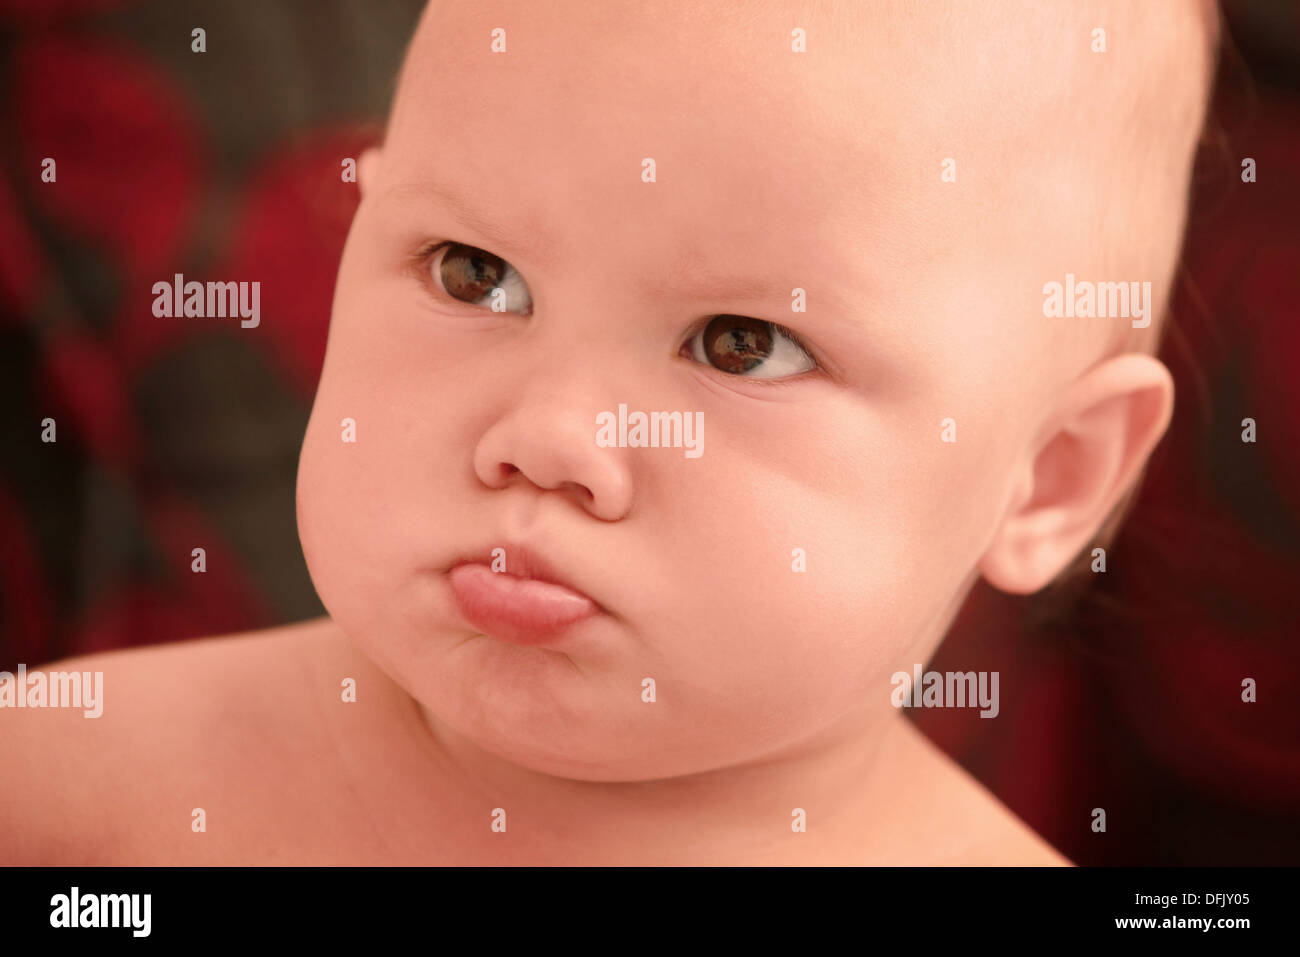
<point>774,171</point>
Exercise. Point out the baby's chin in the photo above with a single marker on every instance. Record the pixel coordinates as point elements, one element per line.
<point>532,708</point>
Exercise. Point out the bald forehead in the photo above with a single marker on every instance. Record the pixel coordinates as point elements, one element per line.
<point>882,93</point>
<point>1024,66</point>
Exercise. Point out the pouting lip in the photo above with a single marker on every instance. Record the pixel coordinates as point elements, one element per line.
<point>521,562</point>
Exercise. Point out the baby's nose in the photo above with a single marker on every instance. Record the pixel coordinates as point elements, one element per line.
<point>551,443</point>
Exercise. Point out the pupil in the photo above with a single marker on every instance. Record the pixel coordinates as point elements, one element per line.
<point>737,344</point>
<point>469,273</point>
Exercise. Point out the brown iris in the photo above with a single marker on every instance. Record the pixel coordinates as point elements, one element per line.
<point>737,344</point>
<point>469,273</point>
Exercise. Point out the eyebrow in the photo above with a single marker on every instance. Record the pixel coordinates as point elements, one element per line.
<point>705,282</point>
<point>702,282</point>
<point>503,239</point>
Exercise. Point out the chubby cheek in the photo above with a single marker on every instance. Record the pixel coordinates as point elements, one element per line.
<point>345,535</point>
<point>816,565</point>
<point>767,630</point>
<point>373,483</point>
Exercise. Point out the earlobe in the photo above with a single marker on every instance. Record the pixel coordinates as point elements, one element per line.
<point>1092,448</point>
<point>367,169</point>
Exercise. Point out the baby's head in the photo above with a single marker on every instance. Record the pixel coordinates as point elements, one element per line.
<point>662,193</point>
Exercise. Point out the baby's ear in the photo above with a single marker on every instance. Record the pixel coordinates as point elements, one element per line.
<point>367,169</point>
<point>1091,448</point>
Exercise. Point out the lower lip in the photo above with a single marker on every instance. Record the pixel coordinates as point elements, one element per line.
<point>522,611</point>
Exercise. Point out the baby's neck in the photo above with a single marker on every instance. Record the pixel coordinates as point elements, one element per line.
<point>847,798</point>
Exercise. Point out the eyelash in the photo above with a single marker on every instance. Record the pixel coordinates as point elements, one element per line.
<point>426,250</point>
<point>419,267</point>
<point>786,331</point>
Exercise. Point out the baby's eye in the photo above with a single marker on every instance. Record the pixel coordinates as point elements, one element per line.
<point>753,348</point>
<point>469,274</point>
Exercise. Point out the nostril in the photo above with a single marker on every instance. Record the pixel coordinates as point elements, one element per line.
<point>581,490</point>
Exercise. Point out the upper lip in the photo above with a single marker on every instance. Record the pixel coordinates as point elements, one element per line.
<point>522,561</point>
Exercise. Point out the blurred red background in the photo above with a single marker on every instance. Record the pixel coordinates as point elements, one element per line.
<point>1123,694</point>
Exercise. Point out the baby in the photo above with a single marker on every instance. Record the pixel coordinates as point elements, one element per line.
<point>688,365</point>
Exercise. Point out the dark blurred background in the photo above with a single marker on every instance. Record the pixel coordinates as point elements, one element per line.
<point>1121,691</point>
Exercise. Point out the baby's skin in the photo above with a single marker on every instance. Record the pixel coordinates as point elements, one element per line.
<point>251,729</point>
<point>821,230</point>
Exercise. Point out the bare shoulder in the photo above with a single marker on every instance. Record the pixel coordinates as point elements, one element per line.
<point>159,739</point>
<point>1010,842</point>
<point>969,825</point>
